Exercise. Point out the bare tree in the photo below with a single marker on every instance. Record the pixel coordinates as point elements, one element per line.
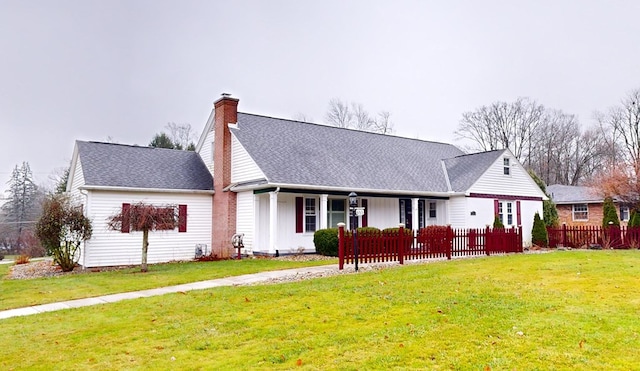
<point>302,117</point>
<point>181,135</point>
<point>354,116</point>
<point>339,114</point>
<point>623,124</point>
<point>382,124</point>
<point>503,125</point>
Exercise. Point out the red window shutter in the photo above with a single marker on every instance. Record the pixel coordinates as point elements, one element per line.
<point>365,219</point>
<point>126,220</point>
<point>496,207</point>
<point>518,216</point>
<point>182,218</point>
<point>299,214</point>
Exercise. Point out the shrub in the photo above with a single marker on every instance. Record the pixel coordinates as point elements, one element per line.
<point>497,223</point>
<point>61,229</point>
<point>539,234</point>
<point>326,241</point>
<point>609,214</point>
<point>22,259</point>
<point>634,219</point>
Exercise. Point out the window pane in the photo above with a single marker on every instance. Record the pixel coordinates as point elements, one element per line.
<point>337,205</point>
<point>432,209</point>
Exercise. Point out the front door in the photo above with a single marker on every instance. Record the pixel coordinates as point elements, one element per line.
<point>405,212</point>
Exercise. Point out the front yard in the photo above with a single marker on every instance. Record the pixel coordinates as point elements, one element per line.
<point>563,310</point>
<point>22,293</point>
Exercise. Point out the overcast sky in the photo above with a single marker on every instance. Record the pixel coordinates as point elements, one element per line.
<point>94,70</point>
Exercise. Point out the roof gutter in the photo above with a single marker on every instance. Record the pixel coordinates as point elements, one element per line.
<point>343,189</point>
<point>153,190</point>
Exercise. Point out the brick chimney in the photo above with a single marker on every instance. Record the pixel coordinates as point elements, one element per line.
<point>224,202</point>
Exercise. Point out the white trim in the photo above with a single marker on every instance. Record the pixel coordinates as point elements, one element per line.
<point>154,190</point>
<point>386,192</point>
<point>207,128</point>
<point>446,175</point>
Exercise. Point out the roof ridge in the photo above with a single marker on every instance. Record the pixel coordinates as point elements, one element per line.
<point>349,129</point>
<point>133,146</point>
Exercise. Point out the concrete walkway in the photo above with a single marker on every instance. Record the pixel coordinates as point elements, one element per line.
<point>228,281</point>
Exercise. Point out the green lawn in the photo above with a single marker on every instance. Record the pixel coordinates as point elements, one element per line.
<point>563,310</point>
<point>22,293</point>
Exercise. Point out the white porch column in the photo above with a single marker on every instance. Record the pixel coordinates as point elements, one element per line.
<point>273,221</point>
<point>324,203</point>
<point>415,214</point>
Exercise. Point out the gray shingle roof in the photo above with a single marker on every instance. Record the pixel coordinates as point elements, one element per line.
<point>297,153</point>
<point>565,194</point>
<point>117,165</point>
<point>465,170</point>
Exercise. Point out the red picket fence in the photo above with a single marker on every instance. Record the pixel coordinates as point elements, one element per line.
<point>589,236</point>
<point>430,243</point>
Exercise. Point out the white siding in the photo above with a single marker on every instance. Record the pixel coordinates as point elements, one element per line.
<point>484,212</point>
<point>206,152</point>
<point>245,218</point>
<point>458,212</point>
<point>107,247</point>
<point>383,212</point>
<point>76,183</point>
<point>517,183</point>
<point>484,208</point>
<point>243,168</point>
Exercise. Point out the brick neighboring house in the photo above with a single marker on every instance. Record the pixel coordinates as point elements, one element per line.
<point>582,206</point>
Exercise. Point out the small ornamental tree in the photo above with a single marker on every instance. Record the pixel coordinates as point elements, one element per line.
<point>539,234</point>
<point>144,217</point>
<point>609,214</point>
<point>61,229</point>
<point>497,223</point>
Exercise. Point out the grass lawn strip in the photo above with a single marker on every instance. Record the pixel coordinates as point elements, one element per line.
<point>565,310</point>
<point>23,293</point>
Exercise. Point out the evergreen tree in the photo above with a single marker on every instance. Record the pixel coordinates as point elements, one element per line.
<point>22,208</point>
<point>539,234</point>
<point>549,210</point>
<point>609,213</point>
<point>162,140</point>
<point>634,219</point>
<point>497,223</point>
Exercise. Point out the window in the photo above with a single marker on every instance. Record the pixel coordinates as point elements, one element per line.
<point>310,214</point>
<point>505,212</point>
<point>336,213</point>
<point>580,212</point>
<point>506,167</point>
<point>624,213</point>
<point>432,209</point>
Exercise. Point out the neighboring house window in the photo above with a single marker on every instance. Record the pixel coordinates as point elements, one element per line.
<point>624,213</point>
<point>432,210</point>
<point>310,215</point>
<point>336,213</point>
<point>580,212</point>
<point>421,213</point>
<point>506,166</point>
<point>505,212</point>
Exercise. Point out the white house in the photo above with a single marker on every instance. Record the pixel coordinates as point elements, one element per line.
<point>106,177</point>
<point>277,181</point>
